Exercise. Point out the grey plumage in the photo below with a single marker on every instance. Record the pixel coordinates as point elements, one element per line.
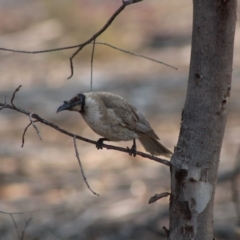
<point>112,117</point>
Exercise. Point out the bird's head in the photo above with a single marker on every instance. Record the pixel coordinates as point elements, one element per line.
<point>76,104</point>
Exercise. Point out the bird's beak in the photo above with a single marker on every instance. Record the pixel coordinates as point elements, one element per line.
<point>66,106</point>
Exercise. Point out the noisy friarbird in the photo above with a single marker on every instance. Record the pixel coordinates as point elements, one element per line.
<point>113,118</point>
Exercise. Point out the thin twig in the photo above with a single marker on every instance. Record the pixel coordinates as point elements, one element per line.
<point>34,125</point>
<point>13,96</point>
<point>81,167</point>
<point>25,228</point>
<point>135,54</point>
<point>25,130</point>
<point>90,40</point>
<point>94,37</point>
<point>99,43</point>
<point>5,103</point>
<point>37,117</point>
<point>92,56</point>
<point>157,196</point>
<point>13,220</point>
<point>4,212</point>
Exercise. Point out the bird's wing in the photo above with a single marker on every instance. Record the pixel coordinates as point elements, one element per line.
<point>144,126</point>
<point>129,115</point>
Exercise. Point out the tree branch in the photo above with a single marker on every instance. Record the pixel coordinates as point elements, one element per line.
<point>94,37</point>
<point>76,46</point>
<point>11,214</point>
<point>40,119</point>
<point>91,40</point>
<point>34,125</point>
<point>5,103</point>
<point>157,196</point>
<point>134,54</point>
<point>25,130</point>
<point>13,96</point>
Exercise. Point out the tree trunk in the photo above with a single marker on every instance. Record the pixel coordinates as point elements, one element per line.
<point>196,157</point>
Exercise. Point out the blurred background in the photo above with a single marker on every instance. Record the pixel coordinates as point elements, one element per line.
<point>42,180</point>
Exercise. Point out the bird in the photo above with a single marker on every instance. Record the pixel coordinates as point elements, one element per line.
<point>115,119</point>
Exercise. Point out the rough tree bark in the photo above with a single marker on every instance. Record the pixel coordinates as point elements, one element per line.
<point>196,157</point>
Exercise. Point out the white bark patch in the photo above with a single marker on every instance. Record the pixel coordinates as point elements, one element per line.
<point>195,174</point>
<point>199,194</point>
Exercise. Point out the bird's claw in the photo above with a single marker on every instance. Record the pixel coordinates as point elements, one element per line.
<point>99,144</point>
<point>132,151</point>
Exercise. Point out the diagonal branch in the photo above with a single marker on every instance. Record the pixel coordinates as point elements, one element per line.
<point>13,96</point>
<point>135,54</point>
<point>94,37</point>
<point>52,125</point>
<point>25,130</point>
<point>34,125</point>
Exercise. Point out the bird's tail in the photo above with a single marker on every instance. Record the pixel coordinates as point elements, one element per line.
<point>154,147</point>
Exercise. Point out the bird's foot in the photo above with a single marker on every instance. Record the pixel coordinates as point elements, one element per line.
<point>132,151</point>
<point>99,144</point>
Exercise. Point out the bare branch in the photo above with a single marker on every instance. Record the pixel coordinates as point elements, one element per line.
<point>99,43</point>
<point>81,167</point>
<point>94,37</point>
<point>11,214</point>
<point>13,96</point>
<point>82,45</point>
<point>5,103</point>
<point>135,54</point>
<point>93,48</point>
<point>157,196</point>
<point>25,130</point>
<point>8,213</point>
<point>34,125</point>
<point>25,228</point>
<point>35,116</point>
<point>13,220</point>
<point>79,46</point>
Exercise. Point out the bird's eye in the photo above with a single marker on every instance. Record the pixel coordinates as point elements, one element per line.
<point>74,99</point>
